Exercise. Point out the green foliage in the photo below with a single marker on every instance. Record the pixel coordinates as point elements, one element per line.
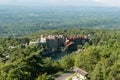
<point>19,21</point>
<point>45,77</point>
<point>67,62</point>
<point>19,61</point>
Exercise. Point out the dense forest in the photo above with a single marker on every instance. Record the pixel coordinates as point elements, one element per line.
<point>21,25</point>
<point>101,59</point>
<point>19,21</point>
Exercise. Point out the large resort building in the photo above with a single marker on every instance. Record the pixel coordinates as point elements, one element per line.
<point>56,42</point>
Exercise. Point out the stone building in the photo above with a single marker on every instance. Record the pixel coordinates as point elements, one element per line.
<point>53,41</point>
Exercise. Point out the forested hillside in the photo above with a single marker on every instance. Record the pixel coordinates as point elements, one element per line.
<point>101,59</point>
<point>18,21</point>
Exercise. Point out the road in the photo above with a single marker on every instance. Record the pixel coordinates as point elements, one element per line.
<point>64,76</point>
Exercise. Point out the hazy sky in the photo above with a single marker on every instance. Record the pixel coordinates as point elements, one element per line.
<point>62,2</point>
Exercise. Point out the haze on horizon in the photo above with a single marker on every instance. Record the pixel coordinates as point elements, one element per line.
<point>114,3</point>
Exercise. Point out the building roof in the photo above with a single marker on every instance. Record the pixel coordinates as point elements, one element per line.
<point>77,37</point>
<point>69,44</point>
<point>80,71</point>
